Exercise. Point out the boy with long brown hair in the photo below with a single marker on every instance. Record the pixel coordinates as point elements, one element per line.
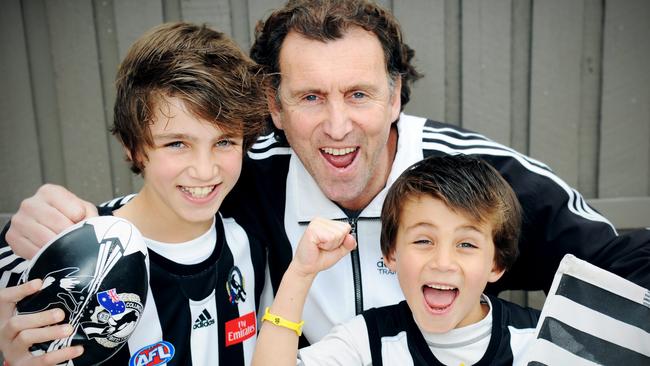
<point>189,104</point>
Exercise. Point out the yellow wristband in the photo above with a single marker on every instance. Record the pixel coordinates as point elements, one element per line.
<point>282,322</point>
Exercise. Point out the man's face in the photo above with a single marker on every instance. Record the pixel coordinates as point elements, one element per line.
<point>337,107</point>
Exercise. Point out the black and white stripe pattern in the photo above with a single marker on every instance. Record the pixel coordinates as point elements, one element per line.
<point>12,267</point>
<point>178,294</point>
<point>592,317</point>
<point>267,146</point>
<point>118,201</point>
<point>455,141</point>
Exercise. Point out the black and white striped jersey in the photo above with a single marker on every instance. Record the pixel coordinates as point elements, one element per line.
<point>197,314</point>
<point>276,197</point>
<point>592,317</point>
<point>389,336</point>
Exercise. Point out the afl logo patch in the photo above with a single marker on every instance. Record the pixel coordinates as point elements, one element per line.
<point>153,354</point>
<point>235,286</point>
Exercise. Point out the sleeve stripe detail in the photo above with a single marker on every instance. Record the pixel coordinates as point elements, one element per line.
<point>576,203</point>
<point>268,153</point>
<point>5,262</point>
<point>17,270</point>
<point>450,130</point>
<point>127,198</point>
<point>122,200</point>
<point>477,141</point>
<point>4,279</point>
<point>266,137</point>
<point>261,144</point>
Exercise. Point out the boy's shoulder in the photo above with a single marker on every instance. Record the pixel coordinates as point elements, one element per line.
<point>512,314</point>
<point>387,321</point>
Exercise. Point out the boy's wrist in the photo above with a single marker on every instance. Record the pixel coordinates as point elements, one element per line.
<point>298,273</point>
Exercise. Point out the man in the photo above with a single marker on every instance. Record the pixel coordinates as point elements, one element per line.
<point>342,76</point>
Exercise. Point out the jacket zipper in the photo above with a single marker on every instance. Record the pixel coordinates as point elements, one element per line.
<point>356,269</point>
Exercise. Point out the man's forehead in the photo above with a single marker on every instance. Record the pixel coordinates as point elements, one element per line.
<point>352,33</point>
<point>357,51</point>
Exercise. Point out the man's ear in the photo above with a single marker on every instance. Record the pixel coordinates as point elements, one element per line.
<point>274,107</point>
<point>496,273</point>
<point>396,99</point>
<point>390,261</point>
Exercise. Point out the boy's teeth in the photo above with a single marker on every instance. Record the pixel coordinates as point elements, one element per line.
<point>441,287</point>
<point>198,192</point>
<point>337,152</point>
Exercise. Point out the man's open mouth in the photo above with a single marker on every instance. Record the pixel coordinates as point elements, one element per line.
<point>339,157</point>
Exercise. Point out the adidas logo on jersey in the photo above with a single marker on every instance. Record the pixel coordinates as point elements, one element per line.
<point>204,320</point>
<point>382,268</point>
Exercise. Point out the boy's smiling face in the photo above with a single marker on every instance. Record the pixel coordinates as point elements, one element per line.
<point>443,260</point>
<point>190,168</point>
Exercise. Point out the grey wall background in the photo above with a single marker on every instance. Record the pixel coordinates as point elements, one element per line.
<point>565,81</point>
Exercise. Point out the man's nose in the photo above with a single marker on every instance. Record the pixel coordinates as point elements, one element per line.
<point>338,123</point>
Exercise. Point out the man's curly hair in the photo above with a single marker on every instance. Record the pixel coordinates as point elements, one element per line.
<point>327,20</point>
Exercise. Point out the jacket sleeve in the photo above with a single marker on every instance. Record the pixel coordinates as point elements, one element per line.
<point>557,221</point>
<point>556,218</point>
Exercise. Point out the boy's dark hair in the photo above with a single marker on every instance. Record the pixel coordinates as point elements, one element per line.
<point>327,20</point>
<point>215,80</point>
<point>466,185</point>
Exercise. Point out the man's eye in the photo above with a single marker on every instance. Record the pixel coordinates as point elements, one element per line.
<point>311,98</point>
<point>358,95</point>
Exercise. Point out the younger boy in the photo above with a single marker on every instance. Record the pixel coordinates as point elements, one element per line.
<point>189,103</point>
<point>449,226</point>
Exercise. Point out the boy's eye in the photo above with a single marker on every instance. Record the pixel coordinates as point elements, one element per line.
<point>225,143</point>
<point>466,245</point>
<point>422,241</point>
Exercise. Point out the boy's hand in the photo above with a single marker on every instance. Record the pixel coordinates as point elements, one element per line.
<point>322,245</point>
<point>44,215</point>
<point>19,332</point>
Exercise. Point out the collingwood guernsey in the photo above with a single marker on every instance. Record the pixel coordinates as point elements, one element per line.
<point>202,312</point>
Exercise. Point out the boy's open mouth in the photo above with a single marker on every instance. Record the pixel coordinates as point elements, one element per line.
<point>439,297</point>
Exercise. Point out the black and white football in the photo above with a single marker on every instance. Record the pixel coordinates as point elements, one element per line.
<point>97,273</point>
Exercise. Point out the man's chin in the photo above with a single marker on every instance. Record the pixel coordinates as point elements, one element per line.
<point>342,195</point>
